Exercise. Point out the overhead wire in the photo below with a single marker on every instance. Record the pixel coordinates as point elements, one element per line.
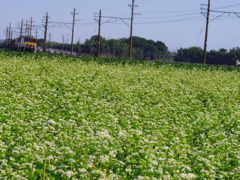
<point>176,16</point>
<point>236,38</point>
<point>167,12</point>
<point>172,16</point>
<point>227,6</point>
<point>199,35</point>
<point>169,21</point>
<point>237,34</point>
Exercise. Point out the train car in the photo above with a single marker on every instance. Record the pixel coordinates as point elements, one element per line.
<point>25,43</point>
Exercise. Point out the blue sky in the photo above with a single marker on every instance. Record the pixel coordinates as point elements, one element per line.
<point>177,23</point>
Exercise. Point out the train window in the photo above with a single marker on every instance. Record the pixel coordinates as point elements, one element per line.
<point>30,40</point>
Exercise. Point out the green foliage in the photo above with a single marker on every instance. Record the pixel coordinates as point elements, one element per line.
<point>66,117</point>
<point>195,55</point>
<point>191,55</point>
<point>142,48</point>
<point>151,50</point>
<point>223,57</point>
<point>2,45</point>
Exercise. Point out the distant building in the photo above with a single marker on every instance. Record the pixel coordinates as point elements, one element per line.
<point>237,62</point>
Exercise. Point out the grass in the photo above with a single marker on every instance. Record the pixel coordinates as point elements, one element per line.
<point>89,118</point>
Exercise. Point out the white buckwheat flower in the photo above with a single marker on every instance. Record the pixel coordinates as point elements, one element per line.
<point>188,176</point>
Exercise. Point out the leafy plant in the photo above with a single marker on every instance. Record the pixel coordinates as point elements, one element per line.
<point>91,118</point>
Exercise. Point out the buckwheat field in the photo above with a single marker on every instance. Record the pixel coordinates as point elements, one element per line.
<point>90,118</point>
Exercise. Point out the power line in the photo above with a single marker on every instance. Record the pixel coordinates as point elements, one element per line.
<point>228,6</point>
<point>199,35</point>
<point>172,16</point>
<point>116,20</point>
<point>170,12</point>
<point>169,21</point>
<point>236,37</point>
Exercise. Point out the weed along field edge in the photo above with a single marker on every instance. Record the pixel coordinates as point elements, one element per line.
<point>89,118</point>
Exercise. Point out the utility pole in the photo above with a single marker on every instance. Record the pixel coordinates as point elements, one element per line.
<point>99,32</point>
<point>206,35</point>
<point>30,29</point>
<point>63,38</point>
<point>21,29</point>
<point>45,33</point>
<point>36,33</point>
<point>79,48</point>
<point>74,14</point>
<point>98,19</point>
<point>26,29</point>
<point>9,35</point>
<point>7,32</point>
<point>49,37</point>
<point>132,6</point>
<point>21,34</point>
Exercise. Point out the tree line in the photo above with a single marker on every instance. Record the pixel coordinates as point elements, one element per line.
<point>220,57</point>
<point>144,49</point>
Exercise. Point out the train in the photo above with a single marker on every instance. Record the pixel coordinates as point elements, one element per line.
<point>25,43</point>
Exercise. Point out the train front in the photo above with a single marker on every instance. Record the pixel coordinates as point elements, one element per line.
<point>30,43</point>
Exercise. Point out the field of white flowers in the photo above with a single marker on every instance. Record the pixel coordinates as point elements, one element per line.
<point>86,118</point>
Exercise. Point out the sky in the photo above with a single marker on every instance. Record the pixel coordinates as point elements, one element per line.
<point>177,23</point>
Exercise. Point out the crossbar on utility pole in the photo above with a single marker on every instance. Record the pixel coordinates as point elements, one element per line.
<point>98,19</point>
<point>206,35</point>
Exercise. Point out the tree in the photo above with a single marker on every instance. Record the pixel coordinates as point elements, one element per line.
<point>220,57</point>
<point>192,55</point>
<point>142,48</point>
